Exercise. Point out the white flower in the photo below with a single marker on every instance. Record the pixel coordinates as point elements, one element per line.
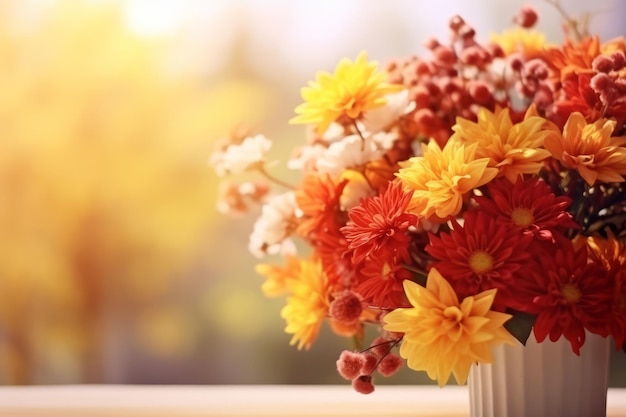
<point>241,157</point>
<point>384,140</point>
<point>351,152</point>
<point>398,104</point>
<point>334,133</point>
<point>238,198</point>
<point>270,234</point>
<point>307,157</point>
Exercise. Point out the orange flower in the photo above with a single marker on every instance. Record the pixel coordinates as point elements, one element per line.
<point>378,226</point>
<point>577,58</point>
<point>381,283</point>
<point>319,199</point>
<point>514,149</point>
<point>589,149</point>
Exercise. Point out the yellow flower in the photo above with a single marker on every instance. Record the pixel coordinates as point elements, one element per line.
<point>440,178</point>
<point>529,43</point>
<point>515,149</point>
<point>307,305</point>
<point>276,277</point>
<point>354,88</point>
<point>443,336</point>
<point>590,149</point>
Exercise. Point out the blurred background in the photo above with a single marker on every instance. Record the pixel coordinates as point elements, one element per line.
<point>115,266</point>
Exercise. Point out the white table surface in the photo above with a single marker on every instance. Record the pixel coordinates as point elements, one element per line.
<point>244,400</point>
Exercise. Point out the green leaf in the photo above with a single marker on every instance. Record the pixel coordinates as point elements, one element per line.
<point>520,325</point>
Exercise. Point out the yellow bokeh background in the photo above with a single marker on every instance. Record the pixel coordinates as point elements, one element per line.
<point>115,266</point>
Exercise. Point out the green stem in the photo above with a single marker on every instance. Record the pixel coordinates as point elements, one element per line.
<point>274,179</point>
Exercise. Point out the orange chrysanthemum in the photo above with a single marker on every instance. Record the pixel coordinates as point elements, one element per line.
<point>378,226</point>
<point>441,178</point>
<point>577,57</point>
<point>308,303</point>
<point>380,283</point>
<point>589,149</point>
<point>594,96</point>
<point>354,88</point>
<point>443,336</point>
<point>514,149</point>
<point>319,200</point>
<point>332,249</point>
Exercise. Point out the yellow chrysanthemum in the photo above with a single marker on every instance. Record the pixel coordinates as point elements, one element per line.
<point>443,336</point>
<point>276,277</point>
<point>590,149</point>
<point>529,43</point>
<point>440,178</point>
<point>307,305</point>
<point>354,88</point>
<point>515,149</point>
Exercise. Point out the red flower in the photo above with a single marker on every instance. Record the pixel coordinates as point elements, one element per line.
<point>480,255</point>
<point>529,205</point>
<point>378,226</point>
<point>611,254</point>
<point>578,95</point>
<point>569,294</point>
<point>381,283</point>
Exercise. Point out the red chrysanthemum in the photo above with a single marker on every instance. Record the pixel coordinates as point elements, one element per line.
<point>529,205</point>
<point>332,249</point>
<point>611,254</point>
<point>578,95</point>
<point>380,283</point>
<point>378,226</point>
<point>569,294</point>
<point>480,255</point>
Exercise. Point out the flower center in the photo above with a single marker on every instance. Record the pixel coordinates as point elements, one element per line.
<point>480,262</point>
<point>453,313</point>
<point>571,293</point>
<point>522,216</point>
<point>384,274</point>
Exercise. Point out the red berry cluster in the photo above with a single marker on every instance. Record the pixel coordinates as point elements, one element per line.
<point>359,366</point>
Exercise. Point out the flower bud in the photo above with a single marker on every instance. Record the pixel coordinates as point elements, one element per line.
<point>526,17</point>
<point>346,307</point>
<point>364,384</point>
<point>602,63</point>
<point>389,365</point>
<point>349,364</point>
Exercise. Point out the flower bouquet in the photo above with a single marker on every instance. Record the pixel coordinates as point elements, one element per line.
<point>454,203</point>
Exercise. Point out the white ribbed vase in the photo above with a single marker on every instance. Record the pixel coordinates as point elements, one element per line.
<point>542,380</point>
